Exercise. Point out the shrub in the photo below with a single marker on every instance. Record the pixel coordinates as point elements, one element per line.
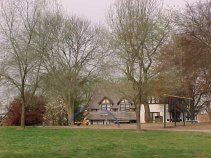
<point>56,113</point>
<point>34,112</point>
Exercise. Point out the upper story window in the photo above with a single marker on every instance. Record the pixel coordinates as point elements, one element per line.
<point>154,100</point>
<point>124,105</point>
<point>106,105</point>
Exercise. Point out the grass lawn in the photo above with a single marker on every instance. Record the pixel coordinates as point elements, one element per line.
<point>84,143</point>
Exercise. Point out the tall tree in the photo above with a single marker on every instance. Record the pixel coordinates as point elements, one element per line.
<point>138,29</point>
<point>193,45</point>
<point>195,21</point>
<point>22,60</point>
<point>72,58</point>
<point>184,57</point>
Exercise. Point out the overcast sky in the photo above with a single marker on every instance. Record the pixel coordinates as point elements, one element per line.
<point>95,10</point>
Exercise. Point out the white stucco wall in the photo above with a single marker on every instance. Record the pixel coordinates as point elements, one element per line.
<point>154,108</point>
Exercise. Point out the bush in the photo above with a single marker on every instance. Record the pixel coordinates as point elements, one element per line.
<point>34,113</point>
<point>56,113</point>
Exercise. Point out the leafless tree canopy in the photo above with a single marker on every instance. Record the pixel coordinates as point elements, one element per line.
<point>22,63</point>
<point>139,29</point>
<point>72,57</point>
<point>186,58</point>
<point>196,21</point>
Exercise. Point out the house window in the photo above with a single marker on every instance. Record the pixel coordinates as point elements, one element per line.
<point>124,105</point>
<point>106,105</point>
<point>157,100</point>
<point>153,100</point>
<point>153,115</point>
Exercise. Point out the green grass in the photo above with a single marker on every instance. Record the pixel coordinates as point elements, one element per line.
<point>84,143</point>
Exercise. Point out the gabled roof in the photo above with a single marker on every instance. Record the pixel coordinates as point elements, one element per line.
<point>106,91</point>
<point>129,100</point>
<point>100,102</point>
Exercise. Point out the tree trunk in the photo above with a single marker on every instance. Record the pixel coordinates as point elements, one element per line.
<point>71,119</point>
<point>23,115</point>
<point>147,112</point>
<point>192,111</point>
<point>145,96</point>
<point>209,115</point>
<point>70,116</point>
<point>138,118</point>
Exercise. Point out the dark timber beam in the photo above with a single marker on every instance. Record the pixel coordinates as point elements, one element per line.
<point>164,115</point>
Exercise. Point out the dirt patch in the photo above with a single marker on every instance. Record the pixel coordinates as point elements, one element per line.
<point>195,127</point>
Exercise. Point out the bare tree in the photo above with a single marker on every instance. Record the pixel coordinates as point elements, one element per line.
<point>183,70</point>
<point>193,42</point>
<point>195,21</point>
<point>22,61</point>
<point>139,29</point>
<point>71,59</point>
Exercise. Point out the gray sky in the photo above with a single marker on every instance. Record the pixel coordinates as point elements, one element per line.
<point>95,10</point>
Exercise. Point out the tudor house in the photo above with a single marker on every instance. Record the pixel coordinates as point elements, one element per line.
<point>108,105</point>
